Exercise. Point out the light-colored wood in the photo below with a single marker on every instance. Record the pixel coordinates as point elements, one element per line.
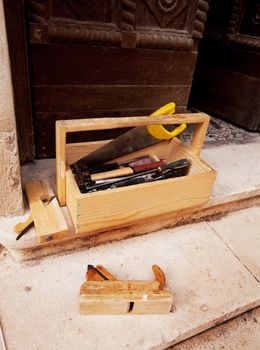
<point>65,126</point>
<point>105,287</point>
<point>22,226</point>
<point>199,136</point>
<point>130,295</point>
<point>106,273</point>
<point>61,163</point>
<point>114,207</point>
<point>110,208</point>
<point>159,306</point>
<point>93,212</point>
<point>92,275</point>
<point>159,276</point>
<point>134,297</point>
<point>49,221</point>
<point>107,307</point>
<point>75,125</point>
<point>147,303</point>
<point>72,193</point>
<point>112,173</point>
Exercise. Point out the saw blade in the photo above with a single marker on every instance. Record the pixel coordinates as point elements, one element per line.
<point>129,142</point>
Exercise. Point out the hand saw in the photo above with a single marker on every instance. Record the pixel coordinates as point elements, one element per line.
<point>131,141</point>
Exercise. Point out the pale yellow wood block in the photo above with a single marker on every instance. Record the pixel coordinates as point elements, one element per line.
<point>49,221</point>
<point>117,297</point>
<point>21,226</point>
<point>105,308</point>
<point>162,306</point>
<point>104,287</point>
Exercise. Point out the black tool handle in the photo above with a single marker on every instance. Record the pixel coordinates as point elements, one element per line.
<point>103,167</point>
<point>156,173</point>
<point>173,173</point>
<point>181,163</point>
<point>134,181</point>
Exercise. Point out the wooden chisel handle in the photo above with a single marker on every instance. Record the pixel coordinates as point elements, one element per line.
<point>125,171</point>
<point>22,226</point>
<point>113,173</point>
<point>150,166</point>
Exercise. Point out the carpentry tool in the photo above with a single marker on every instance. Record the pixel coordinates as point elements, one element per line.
<point>131,141</point>
<point>49,221</point>
<point>146,159</point>
<point>102,293</point>
<point>93,173</point>
<point>174,169</point>
<point>22,227</point>
<point>149,178</point>
<point>98,273</point>
<point>124,171</point>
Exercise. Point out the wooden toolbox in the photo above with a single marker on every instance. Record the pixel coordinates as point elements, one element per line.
<point>99,211</point>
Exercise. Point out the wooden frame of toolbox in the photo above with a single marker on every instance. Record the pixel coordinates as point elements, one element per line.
<point>103,210</point>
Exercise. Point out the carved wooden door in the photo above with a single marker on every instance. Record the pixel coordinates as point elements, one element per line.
<point>109,58</point>
<point>227,80</point>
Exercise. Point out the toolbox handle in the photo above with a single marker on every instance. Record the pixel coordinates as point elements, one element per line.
<point>201,120</point>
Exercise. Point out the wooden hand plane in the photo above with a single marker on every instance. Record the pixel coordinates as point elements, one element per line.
<point>103,294</point>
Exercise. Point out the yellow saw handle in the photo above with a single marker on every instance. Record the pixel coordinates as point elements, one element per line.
<point>158,131</point>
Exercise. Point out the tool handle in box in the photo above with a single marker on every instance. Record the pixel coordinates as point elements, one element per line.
<point>125,171</point>
<point>201,120</point>
<point>112,173</point>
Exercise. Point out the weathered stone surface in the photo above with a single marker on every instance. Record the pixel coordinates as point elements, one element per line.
<point>7,115</point>
<point>10,183</point>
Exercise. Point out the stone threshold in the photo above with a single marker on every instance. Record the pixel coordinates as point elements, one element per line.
<point>212,267</point>
<point>237,186</point>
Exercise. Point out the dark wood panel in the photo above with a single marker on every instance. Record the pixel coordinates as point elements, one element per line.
<point>90,98</point>
<point>45,127</point>
<point>230,95</point>
<point>227,76</point>
<point>97,11</point>
<point>84,65</point>
<point>16,34</point>
<point>250,21</point>
<point>229,58</point>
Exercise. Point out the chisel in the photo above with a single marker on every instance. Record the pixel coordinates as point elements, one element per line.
<point>149,178</point>
<point>178,168</point>
<point>124,171</point>
<point>146,159</point>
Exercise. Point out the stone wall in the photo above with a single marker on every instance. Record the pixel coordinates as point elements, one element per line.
<point>11,201</point>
